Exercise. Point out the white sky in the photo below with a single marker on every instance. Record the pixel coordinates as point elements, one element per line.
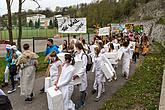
<point>28,4</point>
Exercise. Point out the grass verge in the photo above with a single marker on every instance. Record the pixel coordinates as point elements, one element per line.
<point>142,91</point>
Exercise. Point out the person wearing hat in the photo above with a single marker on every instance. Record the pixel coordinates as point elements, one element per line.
<point>14,76</point>
<point>8,58</point>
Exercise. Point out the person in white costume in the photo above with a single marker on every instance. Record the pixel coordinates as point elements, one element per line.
<point>65,82</point>
<point>55,68</point>
<point>126,58</point>
<point>99,76</point>
<point>82,74</point>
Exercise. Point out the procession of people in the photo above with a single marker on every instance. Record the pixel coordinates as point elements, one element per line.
<point>121,46</point>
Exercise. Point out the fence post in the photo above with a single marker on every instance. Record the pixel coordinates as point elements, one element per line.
<point>33,44</point>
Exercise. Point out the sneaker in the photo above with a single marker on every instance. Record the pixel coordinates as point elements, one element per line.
<point>115,78</point>
<point>97,99</point>
<point>4,84</point>
<point>109,80</point>
<point>11,91</point>
<point>19,86</point>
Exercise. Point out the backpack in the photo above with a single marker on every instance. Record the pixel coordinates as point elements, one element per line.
<point>89,62</point>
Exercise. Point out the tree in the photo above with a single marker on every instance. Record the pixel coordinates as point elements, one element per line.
<point>31,23</point>
<point>20,22</point>
<point>36,25</point>
<point>9,26</point>
<point>50,24</point>
<point>55,22</point>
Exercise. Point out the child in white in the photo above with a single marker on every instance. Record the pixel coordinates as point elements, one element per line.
<point>55,71</point>
<point>99,76</point>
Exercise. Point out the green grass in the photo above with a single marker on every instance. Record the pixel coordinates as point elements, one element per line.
<point>41,68</point>
<point>142,91</point>
<point>28,33</point>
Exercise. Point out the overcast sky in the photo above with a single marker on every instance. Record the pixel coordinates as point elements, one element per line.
<point>43,3</point>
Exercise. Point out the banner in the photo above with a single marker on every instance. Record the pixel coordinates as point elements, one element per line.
<point>114,28</point>
<point>72,25</point>
<point>138,28</point>
<point>104,31</point>
<point>129,27</point>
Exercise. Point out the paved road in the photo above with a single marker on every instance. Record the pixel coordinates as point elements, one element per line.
<point>40,101</point>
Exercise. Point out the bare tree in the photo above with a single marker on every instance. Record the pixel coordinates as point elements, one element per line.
<point>20,22</point>
<point>9,25</point>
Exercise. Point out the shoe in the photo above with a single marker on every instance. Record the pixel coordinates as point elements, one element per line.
<point>42,90</point>
<point>109,80</point>
<point>97,99</point>
<point>31,95</point>
<point>19,86</point>
<point>115,78</point>
<point>93,91</point>
<point>78,106</point>
<point>4,84</point>
<point>11,91</point>
<point>28,99</point>
<point>126,77</point>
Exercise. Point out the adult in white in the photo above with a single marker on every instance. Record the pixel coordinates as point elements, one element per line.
<point>82,73</point>
<point>99,76</point>
<point>64,84</point>
<point>28,62</point>
<point>126,58</point>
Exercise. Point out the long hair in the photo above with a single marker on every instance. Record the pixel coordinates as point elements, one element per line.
<point>70,59</point>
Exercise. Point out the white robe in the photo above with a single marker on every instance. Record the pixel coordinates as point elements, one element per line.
<point>66,86</point>
<point>82,73</point>
<point>126,57</point>
<point>54,74</point>
<point>99,75</point>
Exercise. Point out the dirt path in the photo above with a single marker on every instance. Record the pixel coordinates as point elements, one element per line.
<point>40,100</point>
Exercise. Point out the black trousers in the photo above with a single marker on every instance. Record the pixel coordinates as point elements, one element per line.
<point>135,56</point>
<point>13,72</point>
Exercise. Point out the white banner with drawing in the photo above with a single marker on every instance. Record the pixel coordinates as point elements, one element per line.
<point>72,25</point>
<point>104,31</point>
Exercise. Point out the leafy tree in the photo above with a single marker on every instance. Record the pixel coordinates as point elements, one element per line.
<point>31,23</point>
<point>50,24</point>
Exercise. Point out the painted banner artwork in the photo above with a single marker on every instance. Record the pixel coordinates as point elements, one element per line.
<point>72,25</point>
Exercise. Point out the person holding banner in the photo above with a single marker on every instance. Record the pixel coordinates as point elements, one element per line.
<point>81,55</point>
<point>99,76</point>
<point>64,84</point>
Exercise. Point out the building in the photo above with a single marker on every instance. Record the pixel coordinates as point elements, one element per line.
<point>35,18</point>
